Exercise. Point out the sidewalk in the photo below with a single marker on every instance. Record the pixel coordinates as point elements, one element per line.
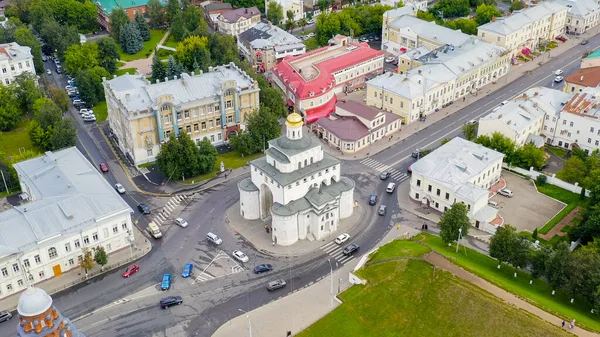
<point>406,131</point>
<point>144,66</point>
<point>75,276</point>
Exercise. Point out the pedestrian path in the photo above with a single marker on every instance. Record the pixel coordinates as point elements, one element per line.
<point>380,167</point>
<point>336,252</point>
<point>162,217</point>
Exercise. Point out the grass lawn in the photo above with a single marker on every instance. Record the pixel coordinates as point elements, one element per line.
<point>170,42</point>
<point>125,71</point>
<point>16,139</point>
<point>409,298</point>
<point>101,111</point>
<point>120,64</point>
<point>539,293</point>
<point>231,160</point>
<point>558,151</point>
<point>149,46</point>
<point>571,199</point>
<point>399,248</point>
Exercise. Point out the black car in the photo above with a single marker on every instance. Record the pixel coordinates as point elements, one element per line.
<point>372,199</point>
<point>584,42</point>
<point>416,153</point>
<point>263,268</point>
<point>5,316</point>
<point>277,284</point>
<point>384,175</point>
<point>351,249</point>
<point>144,208</point>
<point>170,301</point>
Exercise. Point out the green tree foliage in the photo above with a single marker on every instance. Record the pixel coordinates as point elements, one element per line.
<point>87,262</point>
<point>509,247</point>
<point>465,25</point>
<point>25,37</point>
<point>537,260</point>
<point>516,5</point>
<point>581,169</point>
<point>289,15</point>
<point>223,49</point>
<point>530,155</point>
<point>485,13</point>
<point>142,26</point>
<point>194,22</point>
<point>207,156</point>
<point>7,32</point>
<point>589,228</point>
<point>178,30</point>
<point>584,272</point>
<point>172,10</point>
<point>302,23</point>
<point>323,5</point>
<point>470,131</point>
<point>180,158</point>
<point>358,20</point>
<point>157,13</point>
<point>290,25</point>
<point>49,130</point>
<point>89,84</point>
<point>159,71</point>
<point>557,266</point>
<point>108,53</point>
<point>118,20</point>
<point>243,143</point>
<point>100,256</point>
<point>263,125</point>
<point>174,68</point>
<point>274,12</point>
<point>80,14</point>
<point>81,57</point>
<point>451,8</point>
<point>59,37</point>
<point>26,91</point>
<point>247,4</point>
<point>59,97</point>
<point>425,15</point>
<point>131,39</point>
<point>193,53</point>
<point>453,219</point>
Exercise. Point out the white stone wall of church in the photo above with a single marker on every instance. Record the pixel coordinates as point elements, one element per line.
<point>316,154</point>
<point>285,229</point>
<point>327,226</point>
<point>346,204</point>
<point>304,220</point>
<point>249,205</point>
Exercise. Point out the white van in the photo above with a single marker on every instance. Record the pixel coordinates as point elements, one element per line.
<point>493,203</point>
<point>391,187</point>
<point>214,238</point>
<point>154,230</point>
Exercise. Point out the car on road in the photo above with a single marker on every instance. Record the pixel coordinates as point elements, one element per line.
<point>505,192</point>
<point>120,188</point>
<point>181,222</point>
<point>584,42</point>
<point>351,249</point>
<point>384,175</point>
<point>187,270</point>
<point>342,238</point>
<point>391,187</point>
<point>48,71</point>
<point>85,111</point>
<point>409,170</point>
<point>89,118</point>
<point>240,256</point>
<point>263,268</point>
<point>170,301</point>
<point>310,22</point>
<point>382,210</point>
<point>103,167</point>
<point>558,72</point>
<point>166,282</point>
<point>131,270</point>
<point>472,122</point>
<point>144,208</point>
<point>416,153</point>
<point>277,284</point>
<point>372,199</point>
<point>363,39</point>
<point>5,316</point>
<point>390,59</point>
<point>558,79</point>
<point>310,35</point>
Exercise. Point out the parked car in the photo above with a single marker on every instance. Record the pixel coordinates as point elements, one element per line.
<point>277,284</point>
<point>120,188</point>
<point>558,72</point>
<point>584,42</point>
<point>351,249</point>
<point>561,39</point>
<point>144,208</point>
<point>240,256</point>
<point>363,39</point>
<point>170,301</point>
<point>187,270</point>
<point>390,59</point>
<point>70,87</point>
<point>342,238</point>
<point>263,268</point>
<point>505,192</point>
<point>558,79</point>
<point>84,110</point>
<point>382,210</point>
<point>89,118</point>
<point>492,203</point>
<point>416,153</point>
<point>181,223</point>
<point>131,270</point>
<point>166,282</point>
<point>48,71</point>
<point>372,199</point>
<point>384,175</point>
<point>5,316</point>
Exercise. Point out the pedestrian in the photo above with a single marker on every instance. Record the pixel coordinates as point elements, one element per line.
<point>562,326</point>
<point>572,325</point>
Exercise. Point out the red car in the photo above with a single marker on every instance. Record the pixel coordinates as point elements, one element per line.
<point>103,167</point>
<point>131,270</point>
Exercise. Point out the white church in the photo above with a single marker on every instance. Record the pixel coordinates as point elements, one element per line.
<point>299,186</point>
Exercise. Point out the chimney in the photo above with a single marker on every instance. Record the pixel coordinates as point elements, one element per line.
<point>493,19</point>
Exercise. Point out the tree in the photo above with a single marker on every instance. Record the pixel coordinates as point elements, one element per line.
<point>108,53</point>
<point>589,228</point>
<point>172,10</point>
<point>538,259</point>
<point>178,30</point>
<point>174,68</point>
<point>87,262</point>
<point>81,56</point>
<point>484,13</point>
<point>118,20</point>
<point>323,5</point>
<point>157,13</point>
<point>465,25</point>
<point>470,131</point>
<point>274,12</point>
<point>290,25</point>
<point>223,49</point>
<point>193,51</point>
<point>574,170</point>
<point>142,26</point>
<point>193,19</point>
<point>59,97</point>
<point>530,155</point>
<point>131,39</point>
<point>557,266</point>
<point>158,69</point>
<point>425,15</point>
<point>452,220</point>
<point>451,8</point>
<point>59,37</point>
<point>516,5</point>
<point>10,112</point>
<point>290,14</point>
<point>584,272</point>
<point>26,90</point>
<point>179,157</point>
<point>89,84</point>
<point>24,37</point>
<point>501,243</point>
<point>207,157</point>
<point>63,135</point>
<point>49,130</point>
<point>242,143</point>
<point>302,23</point>
<point>263,125</point>
<point>100,256</point>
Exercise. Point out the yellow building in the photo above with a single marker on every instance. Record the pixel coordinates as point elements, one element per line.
<point>288,5</point>
<point>522,31</point>
<point>582,79</point>
<point>210,105</point>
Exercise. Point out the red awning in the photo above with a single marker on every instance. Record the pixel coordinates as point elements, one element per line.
<point>403,50</point>
<point>312,115</point>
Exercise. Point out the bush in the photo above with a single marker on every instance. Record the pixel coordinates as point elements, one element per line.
<point>541,180</point>
<point>534,235</point>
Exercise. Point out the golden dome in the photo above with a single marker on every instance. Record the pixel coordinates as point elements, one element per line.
<point>294,120</point>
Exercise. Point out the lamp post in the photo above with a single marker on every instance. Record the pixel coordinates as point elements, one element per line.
<point>249,322</point>
<point>331,284</point>
<point>459,237</point>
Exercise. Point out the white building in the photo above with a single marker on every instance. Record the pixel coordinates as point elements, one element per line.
<point>296,6</point>
<point>238,20</point>
<point>459,171</point>
<point>581,15</point>
<point>299,186</point>
<point>522,119</point>
<point>14,60</point>
<point>67,206</point>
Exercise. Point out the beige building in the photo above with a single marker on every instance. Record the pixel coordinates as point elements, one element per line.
<point>581,16</point>
<point>295,6</point>
<point>582,79</point>
<point>522,31</point>
<point>210,105</point>
<point>237,21</point>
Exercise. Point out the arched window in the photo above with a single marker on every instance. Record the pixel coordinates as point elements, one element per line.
<point>311,160</point>
<point>52,253</point>
<point>305,162</point>
<point>299,163</point>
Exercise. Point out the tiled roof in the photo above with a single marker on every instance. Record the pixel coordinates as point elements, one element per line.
<point>587,77</point>
<point>519,19</point>
<point>358,109</point>
<point>217,6</point>
<point>107,6</point>
<point>236,14</point>
<point>264,35</point>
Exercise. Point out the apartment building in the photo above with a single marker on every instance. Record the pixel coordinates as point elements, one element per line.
<point>209,105</point>
<point>15,60</point>
<point>581,79</point>
<point>523,31</point>
<point>237,21</point>
<point>581,15</point>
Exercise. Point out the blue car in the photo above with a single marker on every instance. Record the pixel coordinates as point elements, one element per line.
<point>187,270</point>
<point>166,282</point>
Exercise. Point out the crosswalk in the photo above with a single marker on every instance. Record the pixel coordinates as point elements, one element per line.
<point>203,277</point>
<point>162,216</point>
<point>380,167</point>
<point>336,252</point>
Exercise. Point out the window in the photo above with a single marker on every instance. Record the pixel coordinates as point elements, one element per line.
<point>203,126</point>
<point>71,262</point>
<point>86,240</point>
<point>228,104</point>
<point>186,114</point>
<point>4,70</point>
<point>67,247</point>
<point>20,283</point>
<point>26,263</point>
<point>27,64</point>
<point>418,182</point>
<point>95,237</point>
<point>77,244</point>
<point>219,121</point>
<point>211,124</point>
<point>41,274</point>
<point>196,128</point>
<point>218,136</point>
<point>4,272</point>
<point>9,287</point>
<point>212,138</point>
<point>447,196</point>
<point>438,192</point>
<point>115,229</point>
<point>30,278</point>
<point>188,129</point>
<point>429,188</point>
<point>179,116</point>
<point>52,253</point>
<point>15,267</point>
<point>571,124</point>
<point>417,196</point>
<point>37,259</point>
<point>124,226</point>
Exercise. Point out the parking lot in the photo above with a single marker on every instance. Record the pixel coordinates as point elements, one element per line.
<point>527,209</point>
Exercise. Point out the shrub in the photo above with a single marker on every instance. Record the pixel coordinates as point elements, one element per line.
<point>541,179</point>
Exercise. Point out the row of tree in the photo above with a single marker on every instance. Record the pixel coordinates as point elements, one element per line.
<point>351,21</point>
<point>581,168</point>
<point>89,257</point>
<point>180,157</point>
<point>81,14</point>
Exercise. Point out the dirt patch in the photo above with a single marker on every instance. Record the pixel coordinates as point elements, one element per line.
<point>556,230</point>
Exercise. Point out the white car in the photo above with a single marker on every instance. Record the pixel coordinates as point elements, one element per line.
<point>70,87</point>
<point>180,222</point>
<point>240,256</point>
<point>558,79</point>
<point>311,34</point>
<point>120,188</point>
<point>85,111</point>
<point>558,72</point>
<point>342,238</point>
<point>48,71</point>
<point>505,192</point>
<point>390,59</point>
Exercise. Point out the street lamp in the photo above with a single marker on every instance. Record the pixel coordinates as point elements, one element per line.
<point>131,239</point>
<point>331,284</point>
<point>459,237</point>
<point>249,323</point>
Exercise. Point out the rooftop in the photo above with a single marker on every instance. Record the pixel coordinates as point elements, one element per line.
<point>285,179</point>
<point>429,30</point>
<point>107,6</point>
<point>351,128</point>
<point>236,14</point>
<point>587,77</point>
<point>14,52</point>
<point>266,36</point>
<point>69,195</point>
<point>217,6</point>
<point>316,197</point>
<point>584,104</point>
<point>594,55</point>
<point>580,8</point>
<point>519,19</point>
<point>407,9</point>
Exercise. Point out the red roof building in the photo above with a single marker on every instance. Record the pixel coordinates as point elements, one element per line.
<point>310,82</point>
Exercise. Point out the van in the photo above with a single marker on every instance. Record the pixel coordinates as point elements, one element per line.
<point>154,230</point>
<point>493,203</point>
<point>391,187</point>
<point>214,238</point>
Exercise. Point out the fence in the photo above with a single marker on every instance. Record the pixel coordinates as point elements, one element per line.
<point>552,180</point>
